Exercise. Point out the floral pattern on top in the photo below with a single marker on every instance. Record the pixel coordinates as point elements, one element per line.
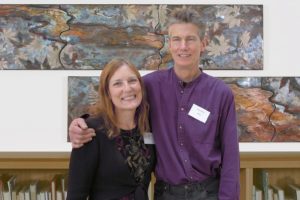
<point>131,145</point>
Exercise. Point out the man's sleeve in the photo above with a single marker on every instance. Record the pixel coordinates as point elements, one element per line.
<point>230,170</point>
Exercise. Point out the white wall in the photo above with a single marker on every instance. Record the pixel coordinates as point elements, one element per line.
<point>33,104</point>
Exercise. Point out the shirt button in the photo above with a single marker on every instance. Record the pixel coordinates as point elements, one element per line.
<point>191,177</point>
<point>180,127</point>
<point>185,160</point>
<point>181,91</point>
<point>182,109</point>
<point>181,144</point>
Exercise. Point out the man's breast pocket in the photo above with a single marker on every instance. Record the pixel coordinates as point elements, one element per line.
<point>205,132</point>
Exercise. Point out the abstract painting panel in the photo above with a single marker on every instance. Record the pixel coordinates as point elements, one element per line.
<point>66,37</point>
<point>268,108</point>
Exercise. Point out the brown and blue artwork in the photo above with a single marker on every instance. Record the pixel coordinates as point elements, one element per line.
<point>86,37</point>
<point>268,108</point>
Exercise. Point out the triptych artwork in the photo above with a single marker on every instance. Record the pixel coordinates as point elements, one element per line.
<point>86,37</point>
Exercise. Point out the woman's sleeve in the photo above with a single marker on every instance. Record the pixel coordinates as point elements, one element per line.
<point>82,170</point>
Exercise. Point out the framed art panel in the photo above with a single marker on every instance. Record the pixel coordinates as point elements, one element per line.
<point>268,108</point>
<point>86,37</point>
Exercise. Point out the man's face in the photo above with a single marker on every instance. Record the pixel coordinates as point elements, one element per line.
<point>185,45</point>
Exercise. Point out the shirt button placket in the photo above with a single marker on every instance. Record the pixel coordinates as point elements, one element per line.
<point>181,114</point>
<point>181,143</point>
<point>180,127</point>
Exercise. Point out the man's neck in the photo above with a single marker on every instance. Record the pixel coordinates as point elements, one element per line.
<point>187,75</point>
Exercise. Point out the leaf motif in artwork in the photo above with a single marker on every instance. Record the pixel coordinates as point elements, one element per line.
<point>163,14</point>
<point>131,12</point>
<point>244,39</point>
<point>10,35</point>
<point>216,26</point>
<point>230,15</point>
<point>92,94</point>
<point>3,64</point>
<point>154,13</point>
<point>218,47</point>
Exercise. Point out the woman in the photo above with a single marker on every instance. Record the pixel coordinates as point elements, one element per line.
<point>116,164</point>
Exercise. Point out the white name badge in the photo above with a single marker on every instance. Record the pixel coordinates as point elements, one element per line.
<point>148,138</point>
<point>199,113</point>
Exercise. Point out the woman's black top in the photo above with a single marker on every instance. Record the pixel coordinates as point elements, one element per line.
<point>116,168</point>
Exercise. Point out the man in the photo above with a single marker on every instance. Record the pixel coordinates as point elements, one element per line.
<point>193,122</point>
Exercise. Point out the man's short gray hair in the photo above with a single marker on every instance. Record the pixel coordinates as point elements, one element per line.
<point>186,15</point>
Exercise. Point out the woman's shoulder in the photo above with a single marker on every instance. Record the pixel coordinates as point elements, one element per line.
<point>95,122</point>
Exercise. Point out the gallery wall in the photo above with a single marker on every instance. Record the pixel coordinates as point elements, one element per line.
<point>33,104</point>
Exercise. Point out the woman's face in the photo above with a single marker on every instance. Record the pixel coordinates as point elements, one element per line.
<point>125,90</point>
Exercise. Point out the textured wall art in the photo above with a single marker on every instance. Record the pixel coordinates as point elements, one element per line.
<point>268,108</point>
<point>44,37</point>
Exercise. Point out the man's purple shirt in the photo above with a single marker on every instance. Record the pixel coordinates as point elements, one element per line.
<point>189,150</point>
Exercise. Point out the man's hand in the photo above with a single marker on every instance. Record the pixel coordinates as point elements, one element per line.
<point>79,133</point>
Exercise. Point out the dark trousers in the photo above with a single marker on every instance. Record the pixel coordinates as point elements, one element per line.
<point>205,190</point>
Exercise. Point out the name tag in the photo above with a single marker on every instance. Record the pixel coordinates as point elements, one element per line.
<point>148,138</point>
<point>199,113</point>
